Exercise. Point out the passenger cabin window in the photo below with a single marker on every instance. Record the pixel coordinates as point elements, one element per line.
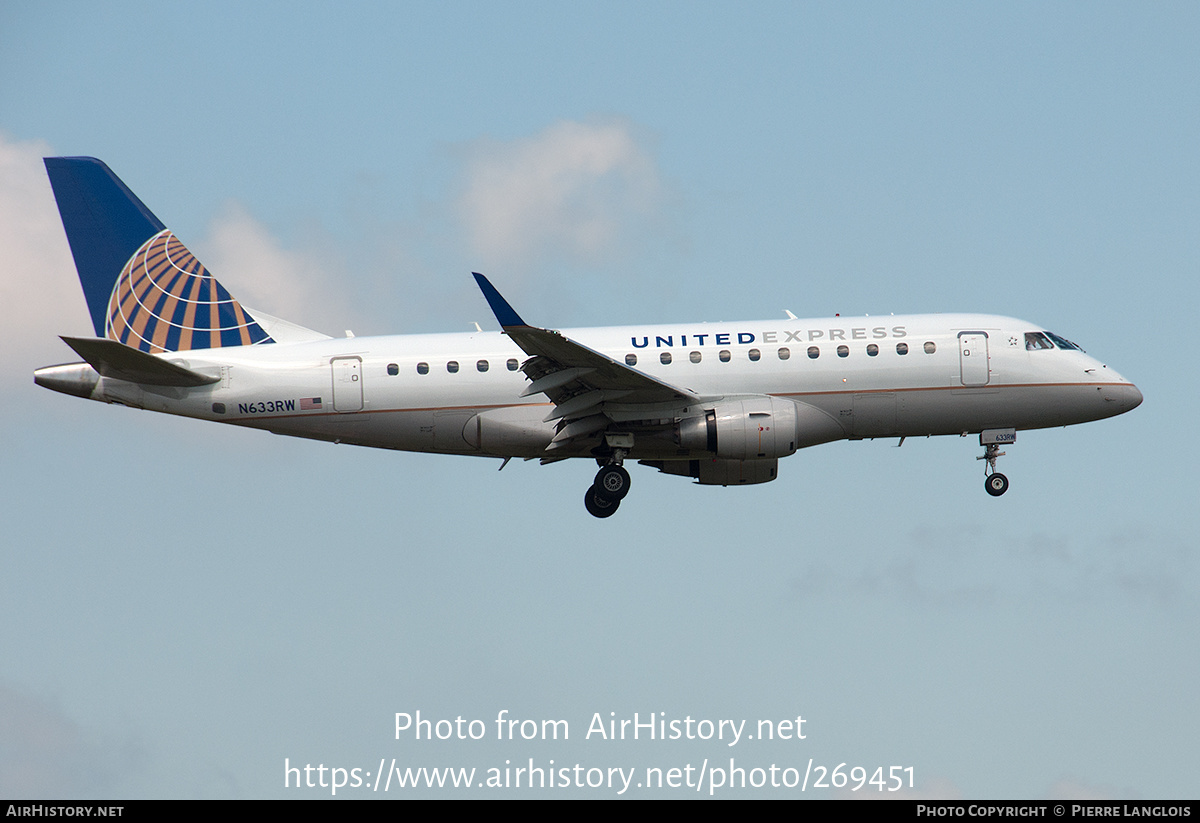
<point>664,358</point>
<point>452,367</point>
<point>784,353</point>
<point>901,348</point>
<point>724,355</point>
<point>872,350</point>
<point>393,369</point>
<point>482,365</point>
<point>512,364</point>
<point>1036,341</point>
<point>755,354</point>
<point>930,347</point>
<point>631,360</point>
<point>422,368</point>
<point>814,352</point>
<point>843,351</point>
<point>694,357</point>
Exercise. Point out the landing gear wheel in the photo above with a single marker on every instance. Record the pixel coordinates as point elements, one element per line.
<point>996,484</point>
<point>612,482</point>
<point>598,505</point>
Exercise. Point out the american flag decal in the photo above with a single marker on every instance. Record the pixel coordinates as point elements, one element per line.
<point>307,403</point>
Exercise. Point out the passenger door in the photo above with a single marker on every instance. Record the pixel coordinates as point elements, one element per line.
<point>347,384</point>
<point>973,358</point>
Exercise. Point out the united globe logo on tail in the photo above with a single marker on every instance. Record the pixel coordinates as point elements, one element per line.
<point>165,300</point>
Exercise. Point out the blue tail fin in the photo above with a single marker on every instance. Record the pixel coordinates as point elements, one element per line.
<point>143,287</point>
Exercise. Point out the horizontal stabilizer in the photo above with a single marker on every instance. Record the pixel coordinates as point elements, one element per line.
<point>114,359</point>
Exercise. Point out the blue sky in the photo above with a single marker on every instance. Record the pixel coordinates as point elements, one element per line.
<point>185,606</point>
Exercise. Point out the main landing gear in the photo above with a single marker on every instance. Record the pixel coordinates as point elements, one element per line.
<point>608,489</point>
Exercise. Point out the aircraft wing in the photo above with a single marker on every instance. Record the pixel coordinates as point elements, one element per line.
<point>582,383</point>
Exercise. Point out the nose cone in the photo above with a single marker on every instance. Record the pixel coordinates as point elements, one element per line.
<point>1135,396</point>
<point>1123,397</point>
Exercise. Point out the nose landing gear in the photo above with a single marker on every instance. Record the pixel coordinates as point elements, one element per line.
<point>994,482</point>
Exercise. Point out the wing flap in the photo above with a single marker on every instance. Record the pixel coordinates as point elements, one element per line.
<point>581,405</point>
<point>553,380</point>
<point>578,428</point>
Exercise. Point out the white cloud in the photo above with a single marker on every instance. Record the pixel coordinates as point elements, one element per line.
<point>257,270</point>
<point>40,296</point>
<point>579,190</point>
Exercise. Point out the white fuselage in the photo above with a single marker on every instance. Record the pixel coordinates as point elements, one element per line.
<point>461,393</point>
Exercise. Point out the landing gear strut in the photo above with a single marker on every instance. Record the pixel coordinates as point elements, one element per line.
<point>609,488</point>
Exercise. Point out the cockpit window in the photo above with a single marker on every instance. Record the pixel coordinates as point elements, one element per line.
<point>1036,341</point>
<point>1062,342</point>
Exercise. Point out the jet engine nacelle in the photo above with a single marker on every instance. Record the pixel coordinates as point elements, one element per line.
<point>757,428</point>
<point>752,428</point>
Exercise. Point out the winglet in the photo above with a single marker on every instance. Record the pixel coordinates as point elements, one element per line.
<point>505,314</point>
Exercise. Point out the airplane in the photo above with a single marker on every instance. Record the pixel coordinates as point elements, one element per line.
<point>716,402</point>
